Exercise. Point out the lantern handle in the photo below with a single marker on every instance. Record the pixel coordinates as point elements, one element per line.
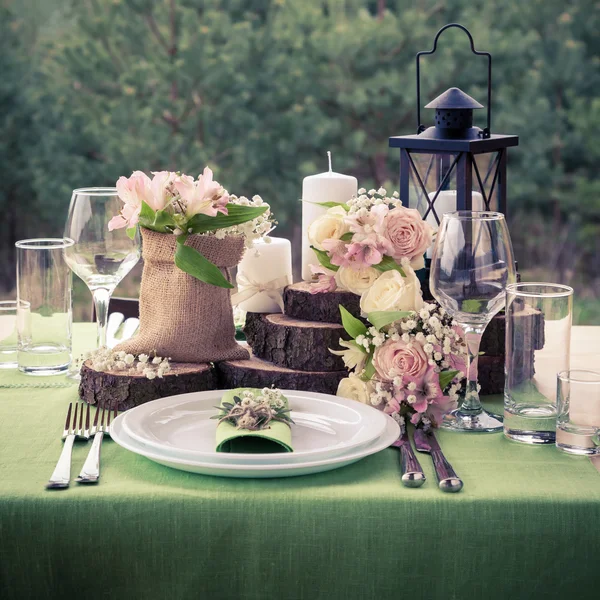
<point>420,127</point>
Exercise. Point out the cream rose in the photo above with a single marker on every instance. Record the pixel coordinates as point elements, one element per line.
<point>391,291</point>
<point>408,234</point>
<point>355,388</point>
<point>397,358</point>
<point>329,225</point>
<point>356,281</point>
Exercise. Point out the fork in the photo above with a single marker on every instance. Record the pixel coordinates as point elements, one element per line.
<point>90,472</point>
<point>61,476</point>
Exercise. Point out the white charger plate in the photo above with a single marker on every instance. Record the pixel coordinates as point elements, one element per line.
<point>390,434</point>
<point>324,426</point>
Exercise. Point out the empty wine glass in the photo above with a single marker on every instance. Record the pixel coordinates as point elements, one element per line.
<point>100,257</point>
<point>472,264</point>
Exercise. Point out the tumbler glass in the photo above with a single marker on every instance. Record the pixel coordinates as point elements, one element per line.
<point>44,319</point>
<point>8,334</point>
<point>578,422</point>
<point>538,339</point>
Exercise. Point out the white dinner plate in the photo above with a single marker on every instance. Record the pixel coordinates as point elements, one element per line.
<point>324,426</point>
<point>390,434</point>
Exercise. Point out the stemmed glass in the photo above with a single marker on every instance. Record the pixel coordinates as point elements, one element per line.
<point>471,266</point>
<point>100,257</point>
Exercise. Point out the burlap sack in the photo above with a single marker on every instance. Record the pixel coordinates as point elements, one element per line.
<point>180,316</point>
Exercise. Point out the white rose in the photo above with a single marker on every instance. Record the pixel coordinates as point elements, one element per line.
<point>354,388</point>
<point>356,281</point>
<point>329,225</point>
<point>391,291</point>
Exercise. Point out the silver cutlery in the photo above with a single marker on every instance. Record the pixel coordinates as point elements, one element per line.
<point>61,477</point>
<point>448,480</point>
<point>412,473</point>
<point>90,472</point>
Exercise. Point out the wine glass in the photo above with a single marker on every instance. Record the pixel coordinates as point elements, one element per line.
<point>100,257</point>
<point>472,264</point>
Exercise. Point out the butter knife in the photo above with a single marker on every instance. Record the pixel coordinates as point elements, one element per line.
<point>448,480</point>
<point>412,473</point>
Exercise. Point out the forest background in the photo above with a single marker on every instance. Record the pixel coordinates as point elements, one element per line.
<point>261,89</point>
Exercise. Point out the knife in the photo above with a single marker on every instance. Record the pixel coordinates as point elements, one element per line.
<point>412,473</point>
<point>448,480</point>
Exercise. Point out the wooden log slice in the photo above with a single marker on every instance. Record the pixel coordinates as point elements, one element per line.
<point>115,388</point>
<point>299,303</point>
<point>258,373</point>
<point>295,344</point>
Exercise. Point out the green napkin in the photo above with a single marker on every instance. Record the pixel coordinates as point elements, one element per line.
<point>277,437</point>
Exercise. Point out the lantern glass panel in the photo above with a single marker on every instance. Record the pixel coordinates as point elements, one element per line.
<point>485,179</point>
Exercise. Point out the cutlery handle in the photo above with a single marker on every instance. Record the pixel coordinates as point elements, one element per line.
<point>412,473</point>
<point>62,472</point>
<point>448,480</point>
<point>90,472</point>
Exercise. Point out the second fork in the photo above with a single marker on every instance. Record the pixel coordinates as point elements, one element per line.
<point>90,472</point>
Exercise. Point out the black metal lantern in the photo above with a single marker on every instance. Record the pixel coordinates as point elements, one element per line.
<point>453,165</point>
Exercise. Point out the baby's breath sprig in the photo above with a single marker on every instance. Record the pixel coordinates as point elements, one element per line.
<point>362,203</point>
<point>248,411</point>
<point>105,359</point>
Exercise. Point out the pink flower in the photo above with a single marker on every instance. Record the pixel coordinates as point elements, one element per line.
<point>392,406</point>
<point>369,232</point>
<point>428,389</point>
<point>204,196</point>
<point>408,234</point>
<point>132,191</point>
<point>325,280</point>
<point>438,408</point>
<point>397,358</point>
<point>162,189</point>
<point>336,249</point>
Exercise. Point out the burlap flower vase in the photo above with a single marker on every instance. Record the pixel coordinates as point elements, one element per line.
<point>181,317</point>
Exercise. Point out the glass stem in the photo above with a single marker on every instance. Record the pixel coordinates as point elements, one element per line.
<point>471,404</point>
<point>101,300</point>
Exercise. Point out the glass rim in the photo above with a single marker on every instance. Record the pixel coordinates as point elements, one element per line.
<point>44,243</point>
<point>97,191</point>
<point>479,215</point>
<point>569,376</point>
<point>13,304</point>
<point>517,289</point>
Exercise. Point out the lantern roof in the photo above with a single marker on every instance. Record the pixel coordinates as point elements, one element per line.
<point>454,98</point>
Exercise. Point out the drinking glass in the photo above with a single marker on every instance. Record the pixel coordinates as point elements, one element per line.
<point>471,266</point>
<point>538,341</point>
<point>44,317</point>
<point>98,256</point>
<point>8,334</point>
<point>578,406</point>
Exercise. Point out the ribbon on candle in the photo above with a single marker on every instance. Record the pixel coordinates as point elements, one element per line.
<point>248,288</point>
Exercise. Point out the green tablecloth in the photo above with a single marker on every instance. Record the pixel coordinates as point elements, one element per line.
<point>526,525</point>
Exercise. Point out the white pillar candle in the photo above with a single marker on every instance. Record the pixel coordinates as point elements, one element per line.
<point>324,187</point>
<point>262,275</point>
<point>446,202</point>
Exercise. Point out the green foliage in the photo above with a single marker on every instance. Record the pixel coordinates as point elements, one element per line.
<point>381,318</point>
<point>389,264</point>
<point>192,262</point>
<point>446,377</point>
<point>261,89</point>
<point>235,216</point>
<point>353,326</point>
<point>323,259</point>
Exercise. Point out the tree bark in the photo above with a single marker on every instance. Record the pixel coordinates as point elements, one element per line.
<point>299,303</point>
<point>258,373</point>
<point>293,343</point>
<point>123,391</point>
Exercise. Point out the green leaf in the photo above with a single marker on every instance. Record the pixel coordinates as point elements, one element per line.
<point>353,326</point>
<point>369,371</point>
<point>236,215</point>
<point>329,204</point>
<point>323,258</point>
<point>381,318</point>
<point>131,231</point>
<point>446,377</point>
<point>159,220</point>
<point>347,237</point>
<point>389,264</point>
<point>193,263</point>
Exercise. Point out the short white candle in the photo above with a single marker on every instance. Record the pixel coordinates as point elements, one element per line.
<point>324,187</point>
<point>446,202</point>
<point>269,266</point>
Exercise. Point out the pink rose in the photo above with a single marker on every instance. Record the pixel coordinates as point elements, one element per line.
<point>397,358</point>
<point>409,235</point>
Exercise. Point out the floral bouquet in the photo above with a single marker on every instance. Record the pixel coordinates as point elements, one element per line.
<point>193,233</point>
<point>409,364</point>
<point>180,205</point>
<point>371,246</point>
